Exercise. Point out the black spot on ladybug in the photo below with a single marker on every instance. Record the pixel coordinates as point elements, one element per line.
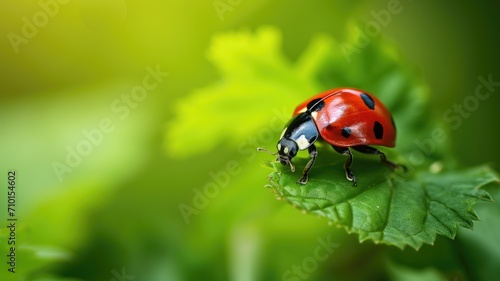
<point>346,132</point>
<point>315,105</point>
<point>368,101</point>
<point>378,130</point>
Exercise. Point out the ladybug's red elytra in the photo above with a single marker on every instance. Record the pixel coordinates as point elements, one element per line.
<point>343,117</point>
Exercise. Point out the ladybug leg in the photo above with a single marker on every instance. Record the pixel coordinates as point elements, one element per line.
<point>347,166</point>
<point>312,154</point>
<point>371,150</point>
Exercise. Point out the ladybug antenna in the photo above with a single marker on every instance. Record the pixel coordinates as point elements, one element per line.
<point>292,167</point>
<point>265,150</point>
<point>288,161</point>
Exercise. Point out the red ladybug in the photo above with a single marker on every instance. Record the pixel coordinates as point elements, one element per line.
<point>343,117</point>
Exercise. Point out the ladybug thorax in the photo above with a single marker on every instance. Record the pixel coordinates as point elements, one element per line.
<point>300,134</point>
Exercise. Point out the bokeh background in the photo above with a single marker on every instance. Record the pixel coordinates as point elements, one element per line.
<point>117,209</point>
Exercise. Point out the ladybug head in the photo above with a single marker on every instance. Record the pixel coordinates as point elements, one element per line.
<point>287,149</point>
<point>299,134</point>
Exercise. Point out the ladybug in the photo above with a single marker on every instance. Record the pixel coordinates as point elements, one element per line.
<point>344,118</point>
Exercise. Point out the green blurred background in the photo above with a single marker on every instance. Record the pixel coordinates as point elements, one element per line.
<point>118,208</point>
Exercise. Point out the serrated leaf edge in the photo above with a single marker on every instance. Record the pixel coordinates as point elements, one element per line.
<point>365,236</point>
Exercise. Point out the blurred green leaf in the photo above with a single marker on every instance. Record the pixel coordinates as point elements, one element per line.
<point>54,218</point>
<point>402,273</point>
<point>255,74</point>
<point>39,246</point>
<point>482,246</point>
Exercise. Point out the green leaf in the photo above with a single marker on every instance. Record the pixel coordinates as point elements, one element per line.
<point>385,207</point>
